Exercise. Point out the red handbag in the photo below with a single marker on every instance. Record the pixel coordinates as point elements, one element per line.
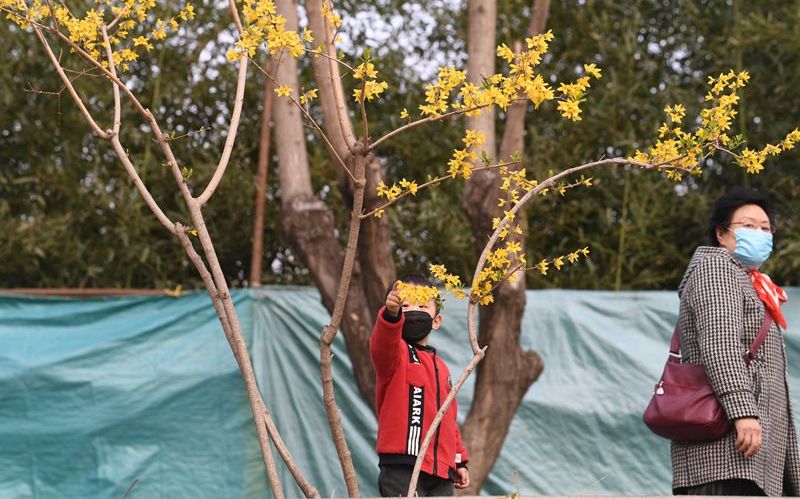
<point>684,406</point>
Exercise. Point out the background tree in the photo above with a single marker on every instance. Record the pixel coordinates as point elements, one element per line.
<point>632,249</point>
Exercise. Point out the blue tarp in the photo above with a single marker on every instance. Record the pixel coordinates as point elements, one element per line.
<point>99,394</point>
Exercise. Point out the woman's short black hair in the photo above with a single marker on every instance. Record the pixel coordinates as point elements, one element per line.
<point>726,205</point>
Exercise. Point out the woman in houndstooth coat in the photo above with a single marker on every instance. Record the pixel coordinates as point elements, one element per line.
<point>723,299</point>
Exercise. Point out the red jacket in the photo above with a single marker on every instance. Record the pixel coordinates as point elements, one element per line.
<point>412,383</point>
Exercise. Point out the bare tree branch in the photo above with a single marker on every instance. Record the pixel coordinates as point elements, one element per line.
<point>429,119</point>
<point>329,332</point>
<point>428,184</point>
<point>139,184</point>
<point>305,486</point>
<point>231,138</point>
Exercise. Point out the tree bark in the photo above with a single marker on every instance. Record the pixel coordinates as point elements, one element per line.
<point>257,253</point>
<point>507,371</point>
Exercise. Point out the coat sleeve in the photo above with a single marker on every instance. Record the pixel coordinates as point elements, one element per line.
<point>462,457</point>
<point>717,301</point>
<point>386,342</point>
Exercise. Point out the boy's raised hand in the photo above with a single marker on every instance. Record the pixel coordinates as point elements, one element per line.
<point>393,300</point>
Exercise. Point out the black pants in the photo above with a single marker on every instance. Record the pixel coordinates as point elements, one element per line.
<point>394,479</point>
<point>731,487</point>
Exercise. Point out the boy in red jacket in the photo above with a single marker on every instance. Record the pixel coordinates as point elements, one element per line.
<point>412,383</point>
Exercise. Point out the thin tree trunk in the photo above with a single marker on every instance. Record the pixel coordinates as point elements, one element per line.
<point>374,270</point>
<point>507,370</point>
<point>257,253</point>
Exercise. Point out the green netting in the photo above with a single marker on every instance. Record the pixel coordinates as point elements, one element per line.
<point>95,394</point>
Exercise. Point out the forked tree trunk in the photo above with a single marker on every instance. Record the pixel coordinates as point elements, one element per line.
<point>310,224</point>
<point>507,370</point>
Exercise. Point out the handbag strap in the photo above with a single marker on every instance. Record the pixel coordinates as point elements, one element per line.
<point>762,334</point>
<point>675,344</point>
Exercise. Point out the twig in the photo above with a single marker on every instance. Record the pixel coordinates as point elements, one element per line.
<point>240,353</point>
<point>496,285</point>
<point>727,151</point>
<point>212,275</point>
<point>312,121</point>
<point>334,59</point>
<point>32,90</point>
<point>117,19</point>
<point>64,78</point>
<point>429,119</point>
<point>430,183</point>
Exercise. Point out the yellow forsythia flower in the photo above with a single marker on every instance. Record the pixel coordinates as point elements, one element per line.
<point>415,294</point>
<point>283,90</point>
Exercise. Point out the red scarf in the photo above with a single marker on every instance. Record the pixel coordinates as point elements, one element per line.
<point>771,294</point>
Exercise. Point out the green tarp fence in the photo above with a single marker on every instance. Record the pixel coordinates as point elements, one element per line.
<point>99,394</point>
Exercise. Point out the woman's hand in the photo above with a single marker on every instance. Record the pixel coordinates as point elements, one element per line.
<point>748,436</point>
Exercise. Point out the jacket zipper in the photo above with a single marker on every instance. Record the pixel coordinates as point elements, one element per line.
<point>438,406</point>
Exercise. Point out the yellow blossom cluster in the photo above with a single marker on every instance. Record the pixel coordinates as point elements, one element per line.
<point>369,90</point>
<point>370,87</point>
<point>520,81</point>
<point>263,24</point>
<point>417,295</point>
<point>283,90</point>
<point>461,164</point>
<point>334,20</point>
<point>573,93</point>
<point>404,187</point>
<point>753,161</point>
<point>309,96</point>
<point>437,94</point>
<point>501,265</point>
<point>452,283</point>
<point>124,22</point>
<point>683,151</point>
<point>558,262</point>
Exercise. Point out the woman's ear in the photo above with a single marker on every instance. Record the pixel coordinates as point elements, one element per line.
<point>720,234</point>
<point>437,321</point>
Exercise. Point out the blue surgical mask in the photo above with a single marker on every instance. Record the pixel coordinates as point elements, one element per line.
<point>753,247</point>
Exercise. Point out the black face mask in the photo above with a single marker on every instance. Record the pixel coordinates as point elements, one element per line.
<point>417,325</point>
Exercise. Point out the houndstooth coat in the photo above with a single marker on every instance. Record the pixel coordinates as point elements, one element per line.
<point>720,315</point>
